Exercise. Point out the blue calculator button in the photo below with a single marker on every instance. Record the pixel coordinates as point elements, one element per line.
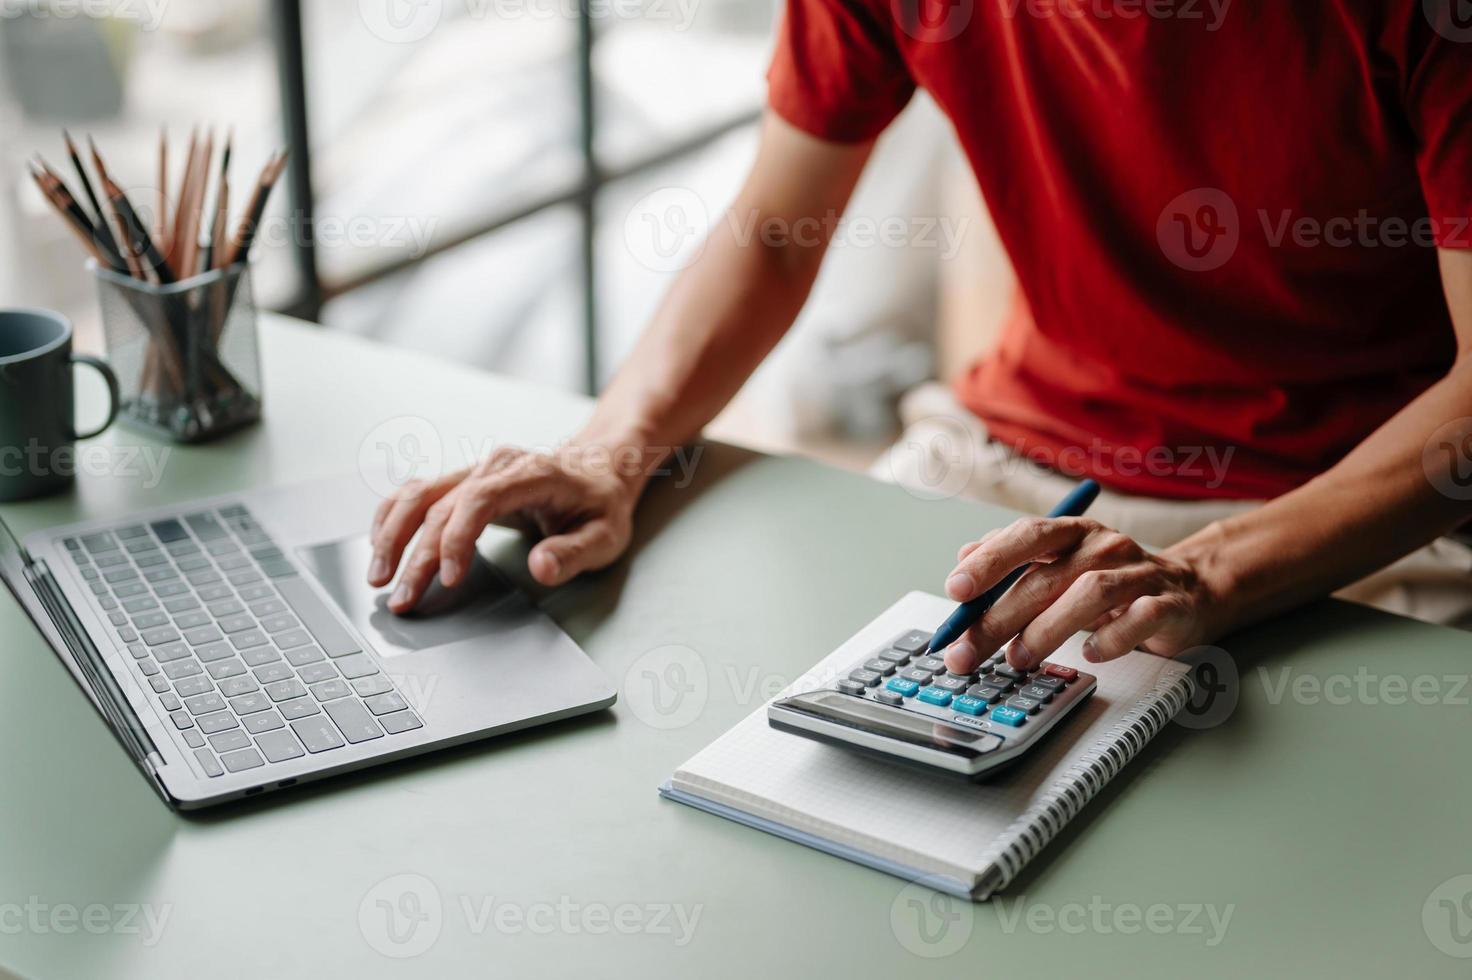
<point>901,686</point>
<point>968,704</point>
<point>936,696</point>
<point>1008,716</point>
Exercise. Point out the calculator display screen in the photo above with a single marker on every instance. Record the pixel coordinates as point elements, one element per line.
<point>915,729</point>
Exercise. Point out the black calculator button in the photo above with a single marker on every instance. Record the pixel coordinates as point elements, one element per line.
<point>1038,693</point>
<point>1028,705</point>
<point>912,642</point>
<point>851,687</point>
<point>985,693</point>
<point>889,697</point>
<point>953,684</point>
<point>918,675</point>
<point>933,664</point>
<point>1053,684</point>
<point>881,667</point>
<point>894,656</point>
<point>1003,670</point>
<point>868,678</point>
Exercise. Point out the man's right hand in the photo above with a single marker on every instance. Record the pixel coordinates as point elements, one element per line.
<point>583,518</point>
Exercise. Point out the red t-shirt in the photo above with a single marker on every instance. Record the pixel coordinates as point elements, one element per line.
<point>1222,215</point>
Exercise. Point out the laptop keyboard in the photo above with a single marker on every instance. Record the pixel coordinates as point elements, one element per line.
<point>249,665</point>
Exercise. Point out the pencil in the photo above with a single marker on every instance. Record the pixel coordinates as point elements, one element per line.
<point>102,230</point>
<point>134,260</point>
<point>56,191</point>
<point>161,219</point>
<point>138,239</point>
<point>250,221</point>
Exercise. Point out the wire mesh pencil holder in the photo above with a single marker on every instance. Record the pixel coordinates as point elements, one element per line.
<point>186,354</point>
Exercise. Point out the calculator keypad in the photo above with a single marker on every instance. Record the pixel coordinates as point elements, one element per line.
<point>904,675</point>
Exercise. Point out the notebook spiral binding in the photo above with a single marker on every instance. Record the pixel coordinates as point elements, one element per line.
<point>1032,831</point>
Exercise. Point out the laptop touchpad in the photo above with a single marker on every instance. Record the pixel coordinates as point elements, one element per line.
<point>473,608</point>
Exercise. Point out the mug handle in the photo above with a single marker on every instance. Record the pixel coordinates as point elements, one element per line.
<point>113,400</point>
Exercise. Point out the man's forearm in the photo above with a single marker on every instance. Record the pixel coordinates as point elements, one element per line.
<point>1376,506</point>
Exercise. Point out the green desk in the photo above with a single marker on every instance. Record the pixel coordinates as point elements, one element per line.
<point>1324,829</point>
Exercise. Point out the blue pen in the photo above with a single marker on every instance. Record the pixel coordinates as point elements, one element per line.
<point>1077,501</point>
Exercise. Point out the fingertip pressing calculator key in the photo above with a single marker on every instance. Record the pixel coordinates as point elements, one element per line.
<point>902,703</point>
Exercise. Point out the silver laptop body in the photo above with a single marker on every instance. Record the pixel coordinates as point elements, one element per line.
<point>234,647</point>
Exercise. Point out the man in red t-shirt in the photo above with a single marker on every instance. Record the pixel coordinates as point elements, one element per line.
<point>1240,230</point>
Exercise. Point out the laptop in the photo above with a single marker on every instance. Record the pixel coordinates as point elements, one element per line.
<point>234,646</point>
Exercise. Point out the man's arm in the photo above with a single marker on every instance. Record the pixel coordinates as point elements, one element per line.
<point>1376,505</point>
<point>720,319</point>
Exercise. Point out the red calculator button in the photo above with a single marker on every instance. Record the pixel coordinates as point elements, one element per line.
<point>1061,672</point>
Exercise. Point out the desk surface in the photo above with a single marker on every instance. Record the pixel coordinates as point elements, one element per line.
<point>1326,825</point>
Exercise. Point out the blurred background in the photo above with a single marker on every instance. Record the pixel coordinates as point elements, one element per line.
<point>507,183</point>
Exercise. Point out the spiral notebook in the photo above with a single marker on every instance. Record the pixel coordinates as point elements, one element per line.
<point>967,839</point>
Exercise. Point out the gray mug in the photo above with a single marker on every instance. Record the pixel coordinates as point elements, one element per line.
<point>37,415</point>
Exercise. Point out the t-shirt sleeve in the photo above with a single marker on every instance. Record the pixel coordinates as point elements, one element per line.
<point>1438,104</point>
<point>837,72</point>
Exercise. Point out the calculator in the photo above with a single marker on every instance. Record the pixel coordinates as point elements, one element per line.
<point>901,703</point>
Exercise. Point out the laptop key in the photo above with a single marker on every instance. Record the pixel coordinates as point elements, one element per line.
<point>182,668</point>
<point>222,669</point>
<point>180,604</point>
<point>138,650</point>
<point>244,759</point>
<point>271,673</point>
<point>163,634</point>
<point>286,690</point>
<point>208,762</point>
<point>127,634</point>
<point>236,686</point>
<point>159,684</point>
<point>118,618</point>
<point>217,722</point>
<point>203,704</point>
<point>108,603</point>
<point>230,563</point>
<point>262,721</point>
<point>171,651</point>
<point>191,620</point>
<point>169,530</point>
<point>201,635</point>
<point>98,542</point>
<point>248,639</point>
<point>234,624</point>
<point>181,720</point>
<point>367,687</point>
<point>353,720</point>
<point>253,592</point>
<point>317,733</point>
<point>193,563</point>
<point>357,665</point>
<point>169,701</point>
<point>260,655</point>
<point>205,526</point>
<point>161,574</point>
<point>230,741</point>
<point>150,620</point>
<point>400,721</point>
<point>222,608</point>
<point>180,589</point>
<point>245,576</point>
<point>382,704</point>
<point>212,593</point>
<point>128,590</point>
<point>190,686</point>
<point>130,532</point>
<point>291,638</point>
<point>279,622</point>
<point>203,576</point>
<point>214,651</point>
<point>299,708</point>
<point>279,746</point>
<point>328,690</point>
<point>249,703</point>
<point>304,655</point>
<point>267,607</point>
<point>150,560</point>
<point>192,738</point>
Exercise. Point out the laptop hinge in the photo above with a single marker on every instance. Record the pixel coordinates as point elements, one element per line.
<point>113,703</point>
